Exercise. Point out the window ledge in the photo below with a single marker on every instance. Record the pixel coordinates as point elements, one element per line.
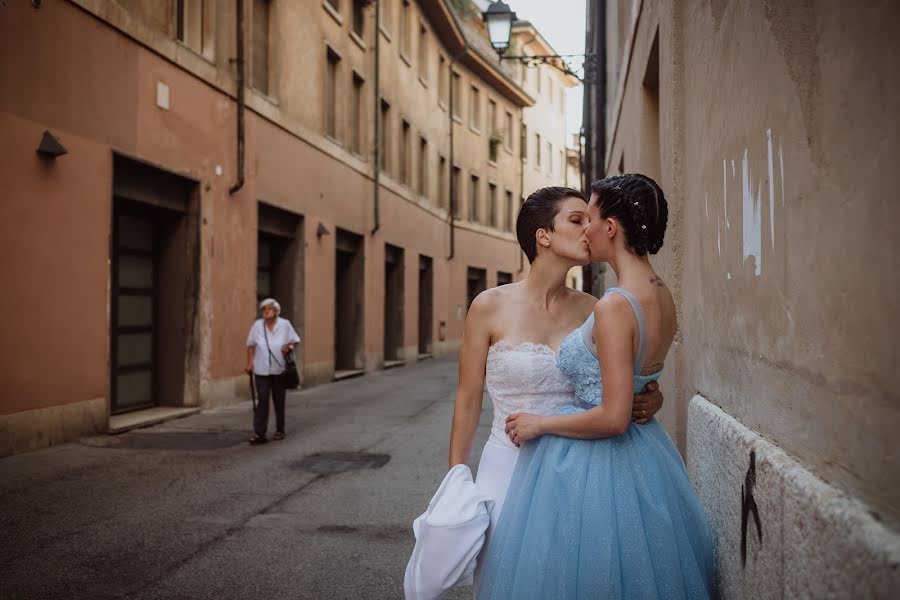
<point>457,119</point>
<point>334,14</point>
<point>405,59</point>
<point>270,99</point>
<point>508,150</point>
<point>442,106</point>
<point>358,40</point>
<point>210,59</point>
<point>475,130</point>
<point>492,163</point>
<point>423,82</point>
<point>387,34</point>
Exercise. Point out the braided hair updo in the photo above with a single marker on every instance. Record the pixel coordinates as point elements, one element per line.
<point>639,205</point>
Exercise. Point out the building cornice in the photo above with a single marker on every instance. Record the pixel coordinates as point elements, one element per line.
<point>449,30</point>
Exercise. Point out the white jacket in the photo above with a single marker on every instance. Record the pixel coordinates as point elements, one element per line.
<point>449,535</point>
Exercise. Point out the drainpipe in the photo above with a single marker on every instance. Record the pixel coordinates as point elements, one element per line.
<point>521,176</point>
<point>240,99</point>
<point>453,191</point>
<point>378,124</point>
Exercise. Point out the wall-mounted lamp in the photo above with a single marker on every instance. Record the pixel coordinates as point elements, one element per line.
<point>50,146</point>
<point>322,230</point>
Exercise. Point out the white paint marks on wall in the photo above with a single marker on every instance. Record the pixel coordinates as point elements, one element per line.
<point>771,187</point>
<point>781,160</point>
<point>719,236</point>
<point>752,226</point>
<point>725,191</point>
<point>706,203</point>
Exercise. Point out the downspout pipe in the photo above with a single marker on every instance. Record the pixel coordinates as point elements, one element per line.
<point>378,124</point>
<point>240,99</point>
<point>523,142</point>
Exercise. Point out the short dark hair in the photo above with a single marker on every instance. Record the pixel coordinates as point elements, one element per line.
<point>640,207</point>
<point>538,212</point>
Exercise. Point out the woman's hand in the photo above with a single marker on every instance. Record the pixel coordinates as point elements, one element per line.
<point>249,368</point>
<point>647,403</point>
<point>521,427</point>
<point>287,348</point>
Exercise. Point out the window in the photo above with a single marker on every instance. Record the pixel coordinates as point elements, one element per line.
<point>190,20</point>
<point>562,100</point>
<point>404,151</point>
<point>455,94</point>
<point>493,138</point>
<point>331,94</point>
<point>358,116</point>
<point>523,142</point>
<point>385,149</point>
<point>387,14</point>
<point>259,51</point>
<point>492,117</point>
<point>475,109</point>
<point>540,77</point>
<point>359,17</point>
<point>404,29</point>
<point>443,81</point>
<point>423,167</point>
<point>508,132</point>
<point>443,195</point>
<point>473,200</point>
<point>562,163</point>
<point>454,191</point>
<point>335,4</point>
<point>423,53</point>
<point>492,205</point>
<point>510,216</point>
<point>537,150</point>
<point>549,158</point>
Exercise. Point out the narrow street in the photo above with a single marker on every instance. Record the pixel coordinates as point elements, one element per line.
<point>187,509</point>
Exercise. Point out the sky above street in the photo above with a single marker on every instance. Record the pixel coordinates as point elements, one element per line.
<point>562,23</point>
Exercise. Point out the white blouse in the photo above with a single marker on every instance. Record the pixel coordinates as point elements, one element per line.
<point>264,362</point>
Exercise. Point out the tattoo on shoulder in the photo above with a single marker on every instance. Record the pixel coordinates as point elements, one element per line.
<point>657,281</point>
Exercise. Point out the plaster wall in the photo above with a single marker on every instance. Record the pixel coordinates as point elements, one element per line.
<point>776,128</point>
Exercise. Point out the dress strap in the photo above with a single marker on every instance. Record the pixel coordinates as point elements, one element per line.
<point>642,326</point>
<point>587,334</point>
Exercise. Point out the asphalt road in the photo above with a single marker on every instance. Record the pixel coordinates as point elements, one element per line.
<point>187,509</point>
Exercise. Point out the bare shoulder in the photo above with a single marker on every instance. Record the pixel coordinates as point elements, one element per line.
<point>583,300</point>
<point>611,310</point>
<point>492,299</point>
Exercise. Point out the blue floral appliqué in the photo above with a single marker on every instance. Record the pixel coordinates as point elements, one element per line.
<point>582,368</point>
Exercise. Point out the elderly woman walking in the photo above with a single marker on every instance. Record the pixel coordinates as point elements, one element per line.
<point>269,341</point>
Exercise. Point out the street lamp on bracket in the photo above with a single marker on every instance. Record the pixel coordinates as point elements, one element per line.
<point>499,19</point>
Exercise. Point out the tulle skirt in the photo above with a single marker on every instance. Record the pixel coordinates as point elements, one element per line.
<point>610,518</point>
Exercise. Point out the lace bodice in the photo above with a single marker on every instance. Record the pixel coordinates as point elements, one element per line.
<point>524,378</point>
<point>577,359</point>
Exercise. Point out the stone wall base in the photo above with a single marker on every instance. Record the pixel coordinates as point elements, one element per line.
<point>42,427</point>
<point>817,542</point>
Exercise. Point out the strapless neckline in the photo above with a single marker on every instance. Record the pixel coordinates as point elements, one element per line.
<point>504,345</point>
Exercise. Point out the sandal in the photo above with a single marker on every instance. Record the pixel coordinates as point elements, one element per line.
<point>279,435</point>
<point>257,440</point>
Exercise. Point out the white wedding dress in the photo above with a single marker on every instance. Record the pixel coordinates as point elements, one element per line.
<point>519,378</point>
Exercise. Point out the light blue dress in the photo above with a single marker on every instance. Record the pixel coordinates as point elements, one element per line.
<point>607,518</point>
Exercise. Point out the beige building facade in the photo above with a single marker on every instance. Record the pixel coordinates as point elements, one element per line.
<point>142,251</point>
<point>773,129</point>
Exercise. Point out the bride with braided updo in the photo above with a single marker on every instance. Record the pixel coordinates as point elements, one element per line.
<point>598,506</point>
